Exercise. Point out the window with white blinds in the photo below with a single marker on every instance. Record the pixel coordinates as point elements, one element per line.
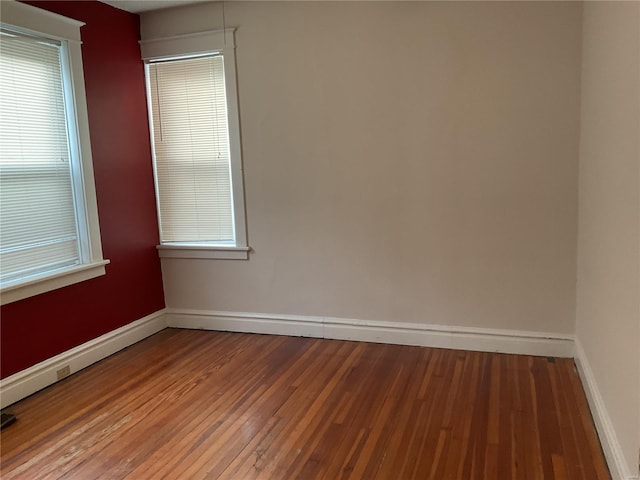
<point>37,205</point>
<point>49,227</point>
<point>189,119</point>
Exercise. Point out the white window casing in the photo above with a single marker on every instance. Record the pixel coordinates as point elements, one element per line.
<point>212,51</point>
<point>80,258</point>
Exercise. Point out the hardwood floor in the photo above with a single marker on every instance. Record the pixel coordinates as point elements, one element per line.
<point>187,404</point>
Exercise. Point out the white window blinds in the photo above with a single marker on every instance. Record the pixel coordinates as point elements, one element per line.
<point>191,150</point>
<point>39,230</point>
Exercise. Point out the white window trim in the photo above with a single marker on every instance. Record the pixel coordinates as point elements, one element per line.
<point>210,42</point>
<point>170,250</point>
<point>52,25</point>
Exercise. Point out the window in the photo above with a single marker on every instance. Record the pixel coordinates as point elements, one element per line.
<point>196,148</point>
<point>49,234</point>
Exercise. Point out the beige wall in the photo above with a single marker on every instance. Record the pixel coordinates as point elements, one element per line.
<point>608,293</point>
<point>411,162</point>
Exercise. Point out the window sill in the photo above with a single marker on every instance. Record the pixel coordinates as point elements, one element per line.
<point>224,252</point>
<point>52,281</point>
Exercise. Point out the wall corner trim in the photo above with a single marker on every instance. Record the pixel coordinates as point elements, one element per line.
<point>437,336</point>
<point>35,378</point>
<point>608,439</point>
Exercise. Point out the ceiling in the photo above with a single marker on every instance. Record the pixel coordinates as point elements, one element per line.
<point>138,6</point>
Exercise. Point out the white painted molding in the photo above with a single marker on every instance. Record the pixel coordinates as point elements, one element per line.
<point>188,44</point>
<point>52,281</point>
<point>38,20</point>
<point>29,381</point>
<point>291,325</point>
<point>608,439</point>
<point>439,336</point>
<point>51,25</point>
<point>203,251</point>
<point>32,379</point>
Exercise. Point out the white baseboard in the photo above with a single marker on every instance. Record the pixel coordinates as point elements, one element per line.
<point>37,377</point>
<point>43,374</point>
<point>29,381</point>
<point>461,338</point>
<point>608,439</point>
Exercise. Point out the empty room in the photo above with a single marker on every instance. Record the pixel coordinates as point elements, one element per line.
<point>320,239</point>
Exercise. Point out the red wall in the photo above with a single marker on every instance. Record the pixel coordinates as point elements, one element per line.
<point>40,327</point>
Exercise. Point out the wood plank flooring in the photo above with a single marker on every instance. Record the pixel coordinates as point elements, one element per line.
<point>187,404</point>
